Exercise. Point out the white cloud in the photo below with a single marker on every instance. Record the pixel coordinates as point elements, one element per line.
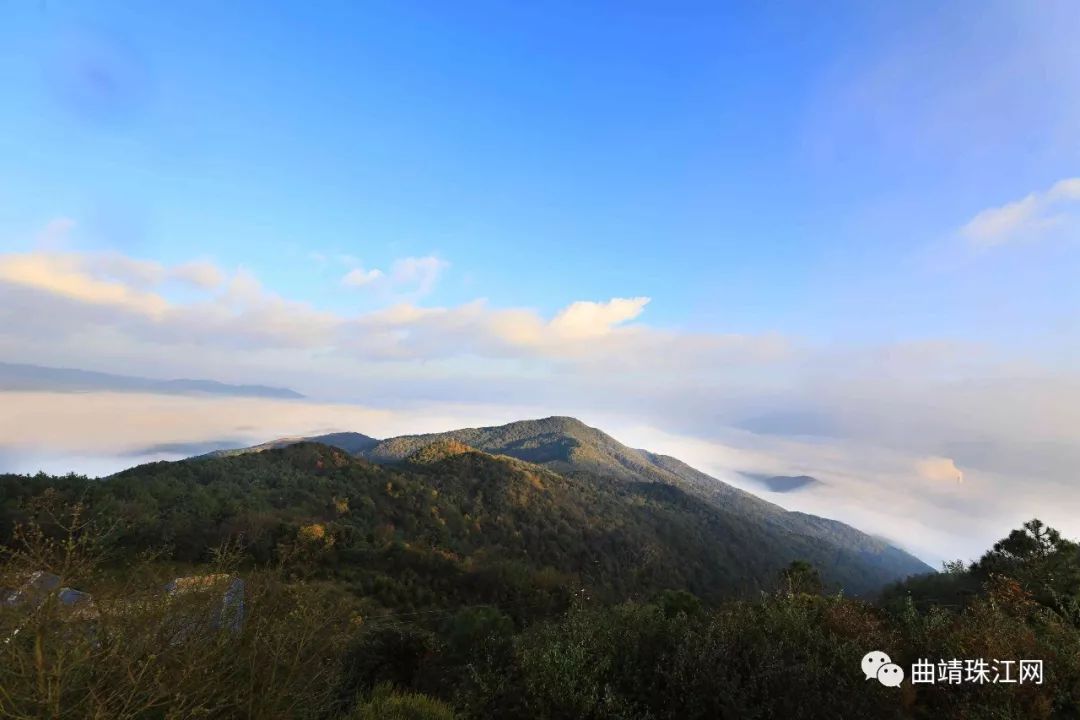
<point>68,275</point>
<point>359,277</point>
<point>940,469</point>
<point>103,432</point>
<point>417,274</point>
<point>106,424</point>
<point>1066,190</point>
<point>1023,219</point>
<point>996,225</point>
<point>415,277</point>
<point>200,273</point>
<point>67,287</point>
<point>138,273</point>
<point>589,319</point>
<point>583,334</point>
<point>243,288</point>
<point>53,295</point>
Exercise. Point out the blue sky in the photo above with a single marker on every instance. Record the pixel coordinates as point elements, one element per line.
<point>761,210</point>
<point>719,159</point>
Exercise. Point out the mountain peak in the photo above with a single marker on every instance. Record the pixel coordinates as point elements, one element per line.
<point>556,422</point>
<point>566,446</point>
<point>350,442</point>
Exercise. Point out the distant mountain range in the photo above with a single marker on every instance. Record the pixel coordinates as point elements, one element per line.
<point>748,536</point>
<point>783,483</point>
<point>351,442</point>
<point>37,377</point>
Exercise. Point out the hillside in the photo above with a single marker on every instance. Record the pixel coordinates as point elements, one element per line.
<point>567,445</point>
<point>453,510</point>
<point>759,535</point>
<point>459,584</point>
<point>495,588</point>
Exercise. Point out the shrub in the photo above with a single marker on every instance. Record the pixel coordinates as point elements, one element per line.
<point>388,704</point>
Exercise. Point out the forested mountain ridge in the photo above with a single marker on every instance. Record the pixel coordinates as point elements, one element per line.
<point>569,447</point>
<point>617,537</point>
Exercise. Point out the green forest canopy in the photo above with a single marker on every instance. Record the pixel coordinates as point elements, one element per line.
<point>461,585</point>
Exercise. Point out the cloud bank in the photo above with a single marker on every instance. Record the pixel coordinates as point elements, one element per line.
<point>890,429</point>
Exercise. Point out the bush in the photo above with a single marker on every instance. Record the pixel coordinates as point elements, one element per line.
<point>394,654</point>
<point>387,704</point>
<point>133,651</point>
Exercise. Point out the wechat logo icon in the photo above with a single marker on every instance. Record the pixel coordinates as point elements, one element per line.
<point>876,664</point>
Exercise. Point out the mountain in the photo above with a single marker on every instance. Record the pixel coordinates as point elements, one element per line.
<point>783,483</point>
<point>36,377</point>
<point>505,588</point>
<point>351,442</point>
<point>756,537</point>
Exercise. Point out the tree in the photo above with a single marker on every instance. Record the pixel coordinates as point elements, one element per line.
<point>954,567</point>
<point>674,602</point>
<point>391,654</point>
<point>1034,541</point>
<point>1039,561</point>
<point>800,578</point>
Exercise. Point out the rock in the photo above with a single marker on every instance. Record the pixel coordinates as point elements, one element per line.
<point>34,591</point>
<point>229,614</point>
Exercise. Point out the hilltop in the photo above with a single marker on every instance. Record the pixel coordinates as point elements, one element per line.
<point>350,442</point>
